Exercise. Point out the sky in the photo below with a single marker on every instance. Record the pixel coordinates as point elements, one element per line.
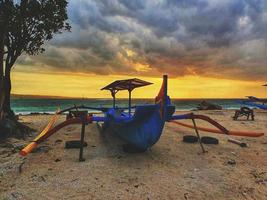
<point>209,49</point>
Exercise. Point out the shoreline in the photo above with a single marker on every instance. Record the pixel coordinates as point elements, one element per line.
<point>176,111</point>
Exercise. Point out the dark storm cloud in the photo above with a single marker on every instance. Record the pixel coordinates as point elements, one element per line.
<point>205,37</point>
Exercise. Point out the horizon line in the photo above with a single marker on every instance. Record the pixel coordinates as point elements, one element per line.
<point>25,96</point>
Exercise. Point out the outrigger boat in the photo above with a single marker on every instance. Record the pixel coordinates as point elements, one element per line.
<point>255,102</point>
<point>140,130</point>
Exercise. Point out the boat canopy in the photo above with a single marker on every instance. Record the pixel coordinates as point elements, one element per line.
<point>127,84</point>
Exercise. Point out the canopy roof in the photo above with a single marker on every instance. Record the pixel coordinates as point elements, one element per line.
<point>127,84</point>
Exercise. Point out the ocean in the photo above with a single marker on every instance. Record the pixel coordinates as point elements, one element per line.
<point>33,105</point>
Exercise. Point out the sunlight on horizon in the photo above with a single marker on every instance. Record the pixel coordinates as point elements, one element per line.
<point>89,85</point>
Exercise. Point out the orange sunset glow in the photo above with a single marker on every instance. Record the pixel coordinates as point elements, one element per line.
<point>88,86</point>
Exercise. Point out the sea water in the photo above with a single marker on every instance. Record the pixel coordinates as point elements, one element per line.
<point>33,105</point>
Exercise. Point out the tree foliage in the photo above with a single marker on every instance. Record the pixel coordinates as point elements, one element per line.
<point>30,23</point>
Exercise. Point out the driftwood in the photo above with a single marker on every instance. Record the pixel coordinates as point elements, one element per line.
<point>234,141</point>
<point>20,167</point>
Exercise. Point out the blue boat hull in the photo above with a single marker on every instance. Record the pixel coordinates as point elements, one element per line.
<point>143,129</point>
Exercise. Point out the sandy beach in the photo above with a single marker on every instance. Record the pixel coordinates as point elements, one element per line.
<point>172,169</point>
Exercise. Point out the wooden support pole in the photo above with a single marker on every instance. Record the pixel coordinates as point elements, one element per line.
<point>81,159</point>
<point>82,141</point>
<point>199,139</point>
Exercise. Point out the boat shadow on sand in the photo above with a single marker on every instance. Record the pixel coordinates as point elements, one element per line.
<point>107,145</point>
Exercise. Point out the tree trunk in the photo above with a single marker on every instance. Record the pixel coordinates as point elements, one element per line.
<point>9,125</point>
<point>2,93</point>
<point>7,90</point>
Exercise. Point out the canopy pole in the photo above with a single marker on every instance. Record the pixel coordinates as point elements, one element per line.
<point>113,94</point>
<point>130,101</point>
<point>114,101</point>
<point>165,83</point>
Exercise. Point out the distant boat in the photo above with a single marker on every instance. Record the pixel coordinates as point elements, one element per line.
<point>255,102</point>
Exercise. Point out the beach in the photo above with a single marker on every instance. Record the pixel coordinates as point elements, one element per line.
<point>171,169</point>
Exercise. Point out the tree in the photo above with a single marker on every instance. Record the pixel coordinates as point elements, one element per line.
<point>2,34</point>
<point>25,25</point>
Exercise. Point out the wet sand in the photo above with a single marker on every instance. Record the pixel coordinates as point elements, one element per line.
<point>171,169</point>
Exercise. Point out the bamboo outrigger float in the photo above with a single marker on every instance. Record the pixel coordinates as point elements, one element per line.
<point>140,130</point>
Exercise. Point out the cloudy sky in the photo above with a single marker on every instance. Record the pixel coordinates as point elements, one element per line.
<point>209,48</point>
